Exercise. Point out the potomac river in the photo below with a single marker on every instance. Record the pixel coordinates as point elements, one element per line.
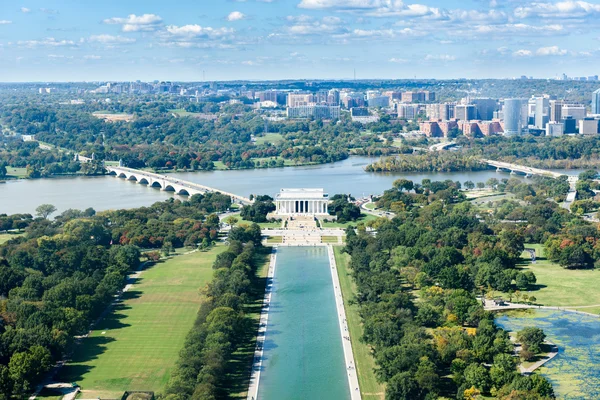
<point>108,192</point>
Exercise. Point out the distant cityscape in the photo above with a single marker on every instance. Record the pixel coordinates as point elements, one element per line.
<point>546,114</point>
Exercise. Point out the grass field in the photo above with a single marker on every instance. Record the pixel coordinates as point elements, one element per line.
<point>273,138</point>
<point>275,240</point>
<point>5,237</point>
<point>557,286</point>
<point>137,345</point>
<point>365,364</point>
<point>329,239</point>
<point>13,172</point>
<point>364,218</point>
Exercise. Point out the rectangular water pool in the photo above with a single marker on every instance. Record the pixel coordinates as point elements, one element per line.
<point>303,356</point>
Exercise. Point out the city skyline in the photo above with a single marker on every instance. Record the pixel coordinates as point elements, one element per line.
<point>44,40</point>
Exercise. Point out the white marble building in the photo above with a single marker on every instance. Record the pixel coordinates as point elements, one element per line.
<point>302,202</point>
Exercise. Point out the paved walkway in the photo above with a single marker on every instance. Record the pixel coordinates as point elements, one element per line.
<point>262,330</point>
<point>347,345</point>
<point>553,353</point>
<point>489,306</point>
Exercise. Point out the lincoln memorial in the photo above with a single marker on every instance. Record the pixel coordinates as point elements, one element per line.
<point>302,202</point>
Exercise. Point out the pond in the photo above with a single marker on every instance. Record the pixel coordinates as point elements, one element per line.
<point>574,372</point>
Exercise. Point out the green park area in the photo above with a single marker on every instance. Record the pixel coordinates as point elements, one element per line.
<point>5,237</point>
<point>137,345</point>
<point>15,172</point>
<point>370,388</point>
<point>557,286</point>
<point>364,218</point>
<point>272,138</point>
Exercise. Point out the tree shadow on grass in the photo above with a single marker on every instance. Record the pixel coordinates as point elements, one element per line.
<point>90,349</point>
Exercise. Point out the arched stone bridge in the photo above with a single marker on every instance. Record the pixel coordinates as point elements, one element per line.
<point>169,183</point>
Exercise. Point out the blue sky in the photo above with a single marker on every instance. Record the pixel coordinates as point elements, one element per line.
<point>73,40</point>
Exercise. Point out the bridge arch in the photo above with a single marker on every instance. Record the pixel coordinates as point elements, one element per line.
<point>143,181</point>
<point>122,175</point>
<point>183,192</point>
<point>156,184</point>
<point>169,188</point>
<point>132,178</point>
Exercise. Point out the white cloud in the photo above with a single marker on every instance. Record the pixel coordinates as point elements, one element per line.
<point>550,51</point>
<point>135,23</point>
<point>561,9</point>
<point>398,60</point>
<point>110,39</point>
<point>92,57</point>
<point>25,10</point>
<point>235,16</point>
<point>46,42</point>
<point>249,62</point>
<point>439,57</point>
<point>522,53</point>
<point>518,29</point>
<point>5,22</point>
<point>197,31</point>
<point>304,25</point>
<point>48,11</point>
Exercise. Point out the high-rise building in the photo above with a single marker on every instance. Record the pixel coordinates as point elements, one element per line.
<point>300,99</point>
<point>576,111</point>
<point>379,101</point>
<point>556,110</point>
<point>443,111</point>
<point>316,111</point>
<point>407,111</point>
<point>333,97</point>
<point>542,106</point>
<point>570,124</point>
<point>589,126</point>
<point>485,108</point>
<point>514,116</point>
<point>596,102</point>
<point>465,112</point>
<point>554,129</point>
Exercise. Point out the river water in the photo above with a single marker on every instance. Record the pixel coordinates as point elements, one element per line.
<point>574,371</point>
<point>303,356</point>
<point>108,192</point>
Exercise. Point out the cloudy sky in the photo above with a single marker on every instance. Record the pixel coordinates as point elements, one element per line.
<point>66,40</point>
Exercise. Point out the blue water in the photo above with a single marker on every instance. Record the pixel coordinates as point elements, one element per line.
<point>575,371</point>
<point>303,354</point>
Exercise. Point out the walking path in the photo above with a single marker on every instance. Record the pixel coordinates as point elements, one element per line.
<point>262,330</point>
<point>553,353</point>
<point>347,345</point>
<point>490,306</point>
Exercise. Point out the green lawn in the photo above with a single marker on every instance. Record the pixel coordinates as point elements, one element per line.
<point>329,239</point>
<point>371,206</point>
<point>275,240</point>
<point>137,345</point>
<point>365,364</point>
<point>14,172</point>
<point>557,286</point>
<point>5,237</point>
<point>273,138</point>
<point>364,218</point>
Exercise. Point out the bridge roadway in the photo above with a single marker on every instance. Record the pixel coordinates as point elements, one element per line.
<point>169,183</point>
